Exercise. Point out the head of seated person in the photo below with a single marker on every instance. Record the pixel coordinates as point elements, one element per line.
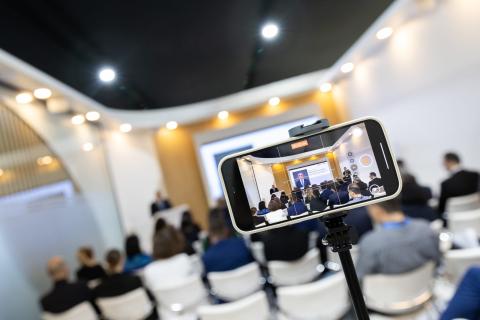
<point>168,242</point>
<point>86,256</point>
<point>413,193</point>
<point>136,258</point>
<point>89,269</point>
<point>262,208</point>
<point>451,161</point>
<point>355,192</point>
<point>57,269</point>
<point>274,205</point>
<point>114,261</point>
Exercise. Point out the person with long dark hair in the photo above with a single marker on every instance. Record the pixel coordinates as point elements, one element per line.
<point>136,258</point>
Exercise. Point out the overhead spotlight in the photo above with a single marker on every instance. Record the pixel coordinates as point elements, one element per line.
<point>78,119</point>
<point>44,161</point>
<point>1,172</point>
<point>274,101</point>
<point>42,93</point>
<point>347,67</point>
<point>326,87</point>
<point>223,115</point>
<point>357,132</point>
<point>384,33</point>
<point>270,31</point>
<point>24,97</point>
<point>92,116</point>
<point>125,127</point>
<point>107,75</point>
<point>87,146</point>
<point>171,125</point>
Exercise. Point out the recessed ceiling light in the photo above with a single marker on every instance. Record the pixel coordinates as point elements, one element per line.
<point>42,93</point>
<point>125,127</point>
<point>107,74</point>
<point>347,67</point>
<point>223,115</point>
<point>326,87</point>
<point>274,101</point>
<point>384,33</point>
<point>1,172</point>
<point>171,125</point>
<point>92,116</point>
<point>87,146</point>
<point>44,161</point>
<point>24,97</point>
<point>270,31</point>
<point>78,119</point>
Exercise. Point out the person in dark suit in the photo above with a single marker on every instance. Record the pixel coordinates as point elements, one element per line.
<point>298,193</point>
<point>374,181</point>
<point>273,189</point>
<point>284,198</point>
<point>317,203</point>
<point>64,295</point>
<point>118,283</point>
<point>159,204</point>
<point>346,173</point>
<point>90,269</point>
<point>256,219</point>
<point>414,199</point>
<point>302,182</point>
<point>326,191</point>
<point>297,207</point>
<point>285,244</point>
<point>460,183</point>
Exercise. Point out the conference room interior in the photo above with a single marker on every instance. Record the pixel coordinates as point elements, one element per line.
<point>115,117</point>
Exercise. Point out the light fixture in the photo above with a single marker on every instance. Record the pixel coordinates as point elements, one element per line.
<point>274,101</point>
<point>384,33</point>
<point>270,31</point>
<point>107,74</point>
<point>42,93</point>
<point>24,97</point>
<point>357,132</point>
<point>326,87</point>
<point>125,127</point>
<point>1,172</point>
<point>223,115</point>
<point>171,125</point>
<point>347,67</point>
<point>78,119</point>
<point>44,161</point>
<point>92,116</point>
<point>87,146</point>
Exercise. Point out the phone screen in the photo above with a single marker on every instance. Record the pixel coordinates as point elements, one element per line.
<point>315,174</point>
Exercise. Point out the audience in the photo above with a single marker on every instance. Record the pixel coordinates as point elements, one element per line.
<point>317,203</point>
<point>355,194</point>
<point>225,252</point>
<point>256,219</point>
<point>189,228</point>
<point>460,183</point>
<point>262,209</point>
<point>374,181</point>
<point>118,283</point>
<point>415,198</point>
<point>309,195</point>
<point>159,203</point>
<point>398,245</point>
<point>285,244</point>
<point>275,204</point>
<point>64,295</point>
<point>89,269</point>
<point>465,303</point>
<point>297,207</point>
<point>136,259</point>
<point>284,198</point>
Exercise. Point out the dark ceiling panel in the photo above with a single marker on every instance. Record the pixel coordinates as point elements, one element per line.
<point>174,52</point>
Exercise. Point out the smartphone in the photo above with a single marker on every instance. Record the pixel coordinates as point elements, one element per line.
<point>342,167</point>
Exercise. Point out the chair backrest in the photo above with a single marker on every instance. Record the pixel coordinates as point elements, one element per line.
<point>334,257</point>
<point>462,221</point>
<point>197,264</point>
<point>463,203</point>
<point>236,284</point>
<point>458,261</point>
<point>399,293</point>
<point>258,252</point>
<point>82,311</point>
<point>182,296</point>
<point>276,216</point>
<point>252,307</point>
<point>324,299</point>
<point>133,305</point>
<point>301,271</point>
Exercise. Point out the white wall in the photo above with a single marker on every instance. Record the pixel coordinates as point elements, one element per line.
<point>265,179</point>
<point>423,83</point>
<point>249,182</point>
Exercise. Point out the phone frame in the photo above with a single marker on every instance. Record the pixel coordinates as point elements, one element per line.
<point>323,213</point>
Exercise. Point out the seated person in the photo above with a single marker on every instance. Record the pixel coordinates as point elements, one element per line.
<point>136,259</point>
<point>275,204</point>
<point>359,219</point>
<point>297,207</point>
<point>118,283</point>
<point>374,181</point>
<point>317,203</point>
<point>159,204</point>
<point>415,198</point>
<point>398,245</point>
<point>273,189</point>
<point>465,303</point>
<point>189,228</point>
<point>64,295</point>
<point>284,198</point>
<point>355,194</point>
<point>262,209</point>
<point>90,269</point>
<point>326,191</point>
<point>256,219</point>
<point>298,193</point>
<point>285,244</point>
<point>171,265</point>
<point>309,195</point>
<point>225,252</point>
<point>460,183</point>
<point>362,185</point>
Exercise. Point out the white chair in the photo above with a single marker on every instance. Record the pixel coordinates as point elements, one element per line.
<point>458,261</point>
<point>304,270</point>
<point>82,311</point>
<point>258,252</point>
<point>249,308</point>
<point>276,216</point>
<point>324,299</point>
<point>334,257</point>
<point>312,239</point>
<point>461,221</point>
<point>463,203</point>
<point>197,264</point>
<point>182,298</point>
<point>236,284</point>
<point>133,305</point>
<point>399,293</point>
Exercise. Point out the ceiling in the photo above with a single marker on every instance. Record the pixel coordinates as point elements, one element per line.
<point>170,53</point>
